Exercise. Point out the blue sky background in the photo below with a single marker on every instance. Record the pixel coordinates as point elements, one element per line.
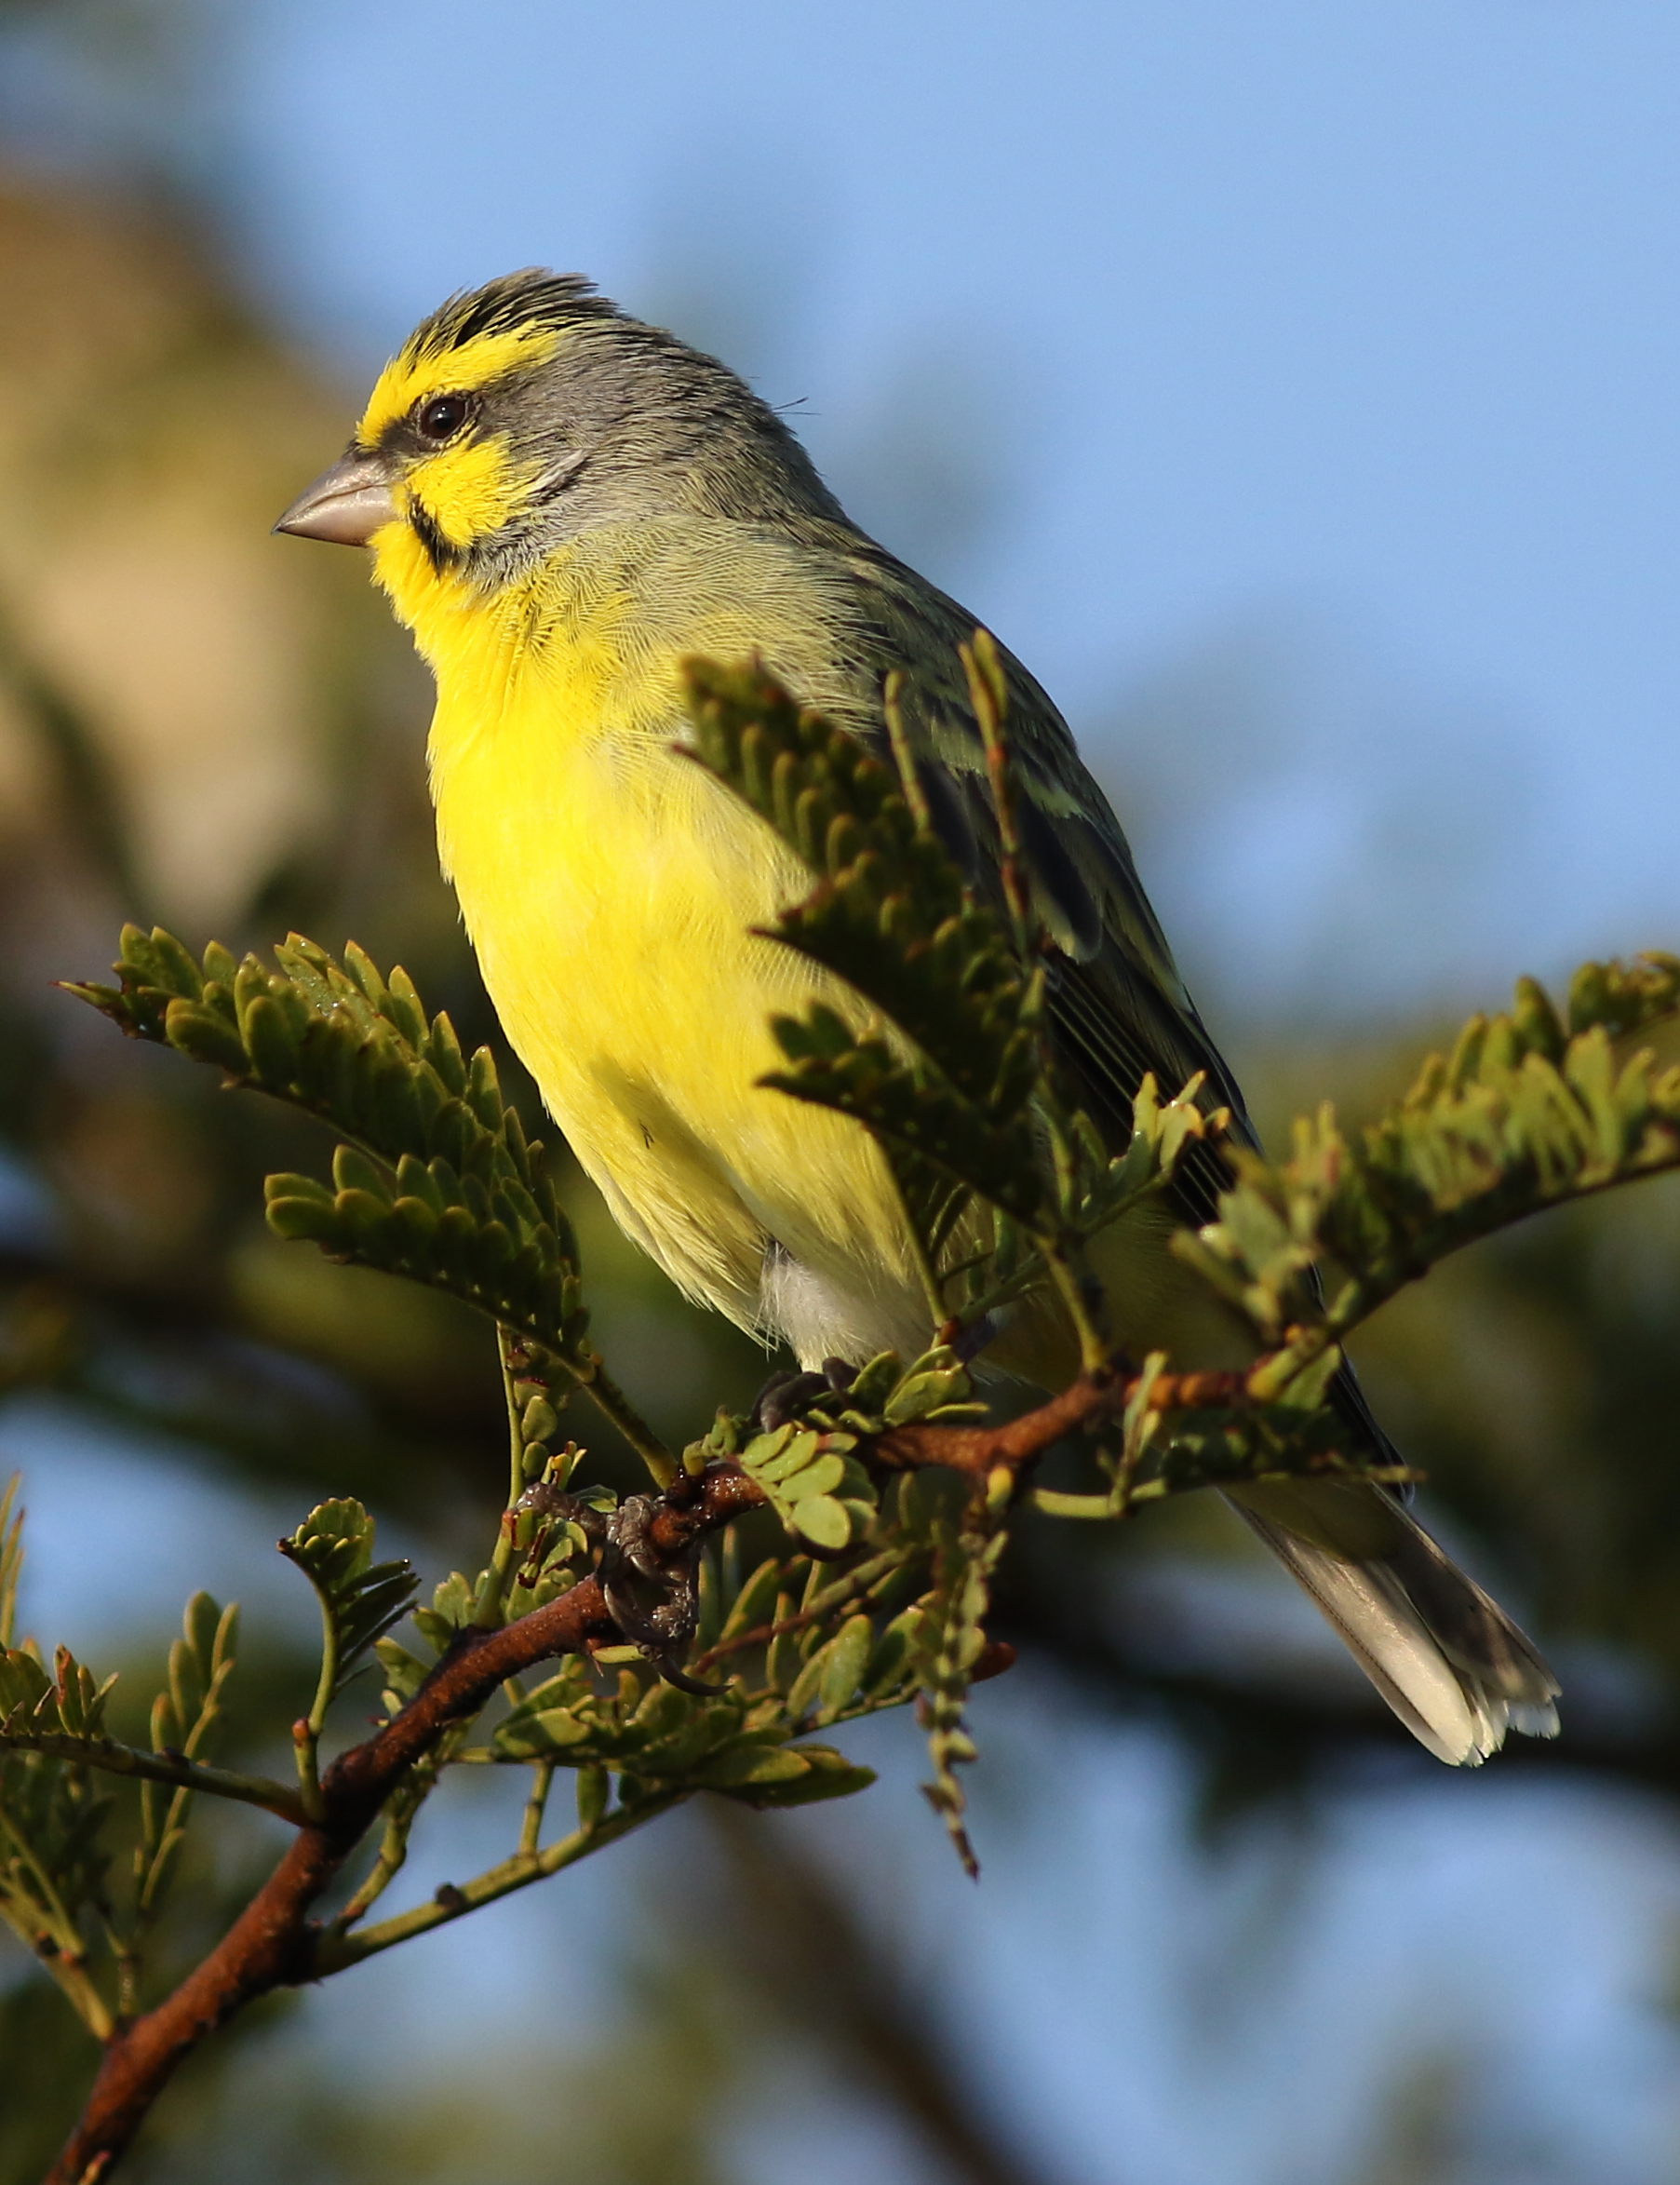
<point>1294,386</point>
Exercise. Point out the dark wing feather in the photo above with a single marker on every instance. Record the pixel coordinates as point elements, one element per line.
<point>1117,1006</point>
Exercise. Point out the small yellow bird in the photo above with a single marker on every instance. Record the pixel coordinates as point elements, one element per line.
<point>563,504</point>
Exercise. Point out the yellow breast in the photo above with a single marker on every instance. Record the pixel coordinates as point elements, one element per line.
<point>609,886</point>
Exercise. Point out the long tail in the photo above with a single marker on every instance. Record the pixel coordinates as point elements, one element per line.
<point>1447,1659</point>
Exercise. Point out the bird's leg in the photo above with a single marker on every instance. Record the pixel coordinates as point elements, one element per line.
<point>783,1397</point>
<point>968,1342</point>
<point>626,1552</point>
<point>662,1628</point>
<point>787,1394</point>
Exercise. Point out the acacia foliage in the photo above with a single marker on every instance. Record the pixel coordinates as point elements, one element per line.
<point>862,1579</point>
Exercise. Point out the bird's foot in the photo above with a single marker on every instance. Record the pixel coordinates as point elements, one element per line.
<point>631,1567</point>
<point>788,1394</point>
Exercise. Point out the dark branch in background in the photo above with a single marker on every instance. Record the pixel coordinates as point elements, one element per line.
<point>790,1923</point>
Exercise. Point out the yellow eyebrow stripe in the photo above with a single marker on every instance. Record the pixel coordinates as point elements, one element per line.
<point>411,375</point>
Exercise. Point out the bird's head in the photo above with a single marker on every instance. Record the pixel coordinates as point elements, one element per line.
<point>524,414</point>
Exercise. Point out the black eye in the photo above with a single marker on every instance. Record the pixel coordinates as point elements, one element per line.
<point>442,417</point>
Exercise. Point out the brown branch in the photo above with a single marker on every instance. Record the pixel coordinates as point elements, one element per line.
<point>173,1767</point>
<point>1092,1399</point>
<point>834,1975</point>
<point>271,1942</point>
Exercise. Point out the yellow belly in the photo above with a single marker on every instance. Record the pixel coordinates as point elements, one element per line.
<point>609,886</point>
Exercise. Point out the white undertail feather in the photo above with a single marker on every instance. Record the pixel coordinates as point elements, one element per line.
<point>1447,1659</point>
<point>819,1320</point>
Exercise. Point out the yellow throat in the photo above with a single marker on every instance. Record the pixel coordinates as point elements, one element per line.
<point>609,886</point>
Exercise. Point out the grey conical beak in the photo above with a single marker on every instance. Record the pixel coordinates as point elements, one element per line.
<point>347,504</point>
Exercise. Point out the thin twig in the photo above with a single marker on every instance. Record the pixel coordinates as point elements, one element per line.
<point>454,1901</point>
<point>855,1584</point>
<point>615,1406</point>
<point>504,1556</point>
<point>106,1754</point>
<point>536,1805</point>
<point>388,1863</point>
<point>1093,1398</point>
<point>273,1943</point>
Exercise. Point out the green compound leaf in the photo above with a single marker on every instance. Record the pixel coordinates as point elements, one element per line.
<point>654,1733</point>
<point>821,1520</point>
<point>813,1483</point>
<point>786,1775</point>
<point>440,1183</point>
<point>183,1717</point>
<point>360,1599</point>
<point>952,1641</point>
<point>949,1091</point>
<point>934,1387</point>
<point>53,1864</point>
<point>843,1665</point>
<point>662,1739</point>
<point>1162,1132</point>
<point>70,1701</point>
<point>938,1138</point>
<point>885,1393</point>
<point>1520,1117</point>
<point>893,915</point>
<point>453,1601</point>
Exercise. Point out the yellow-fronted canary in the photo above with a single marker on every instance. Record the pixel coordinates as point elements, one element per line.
<point>563,504</point>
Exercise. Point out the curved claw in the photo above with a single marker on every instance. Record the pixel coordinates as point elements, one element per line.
<point>672,1674</point>
<point>656,1633</point>
<point>659,1631</point>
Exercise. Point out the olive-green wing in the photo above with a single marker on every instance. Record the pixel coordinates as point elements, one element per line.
<point>1118,1005</point>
